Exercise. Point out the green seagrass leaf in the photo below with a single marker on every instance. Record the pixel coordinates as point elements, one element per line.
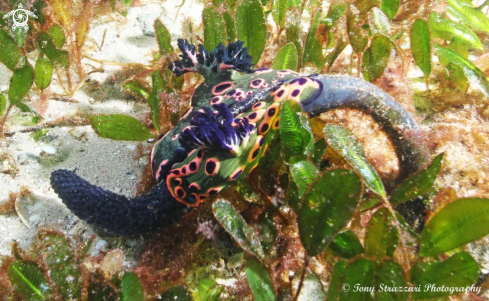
<point>9,52</point>
<point>28,280</point>
<point>286,58</point>
<point>214,27</point>
<point>327,208</point>
<point>251,27</point>
<point>465,11</point>
<point>120,127</point>
<point>418,184</point>
<point>347,245</point>
<point>346,145</point>
<point>457,224</point>
<point>390,275</point>
<point>447,30</point>
<point>421,45</point>
<point>382,236</point>
<point>43,72</point>
<point>20,83</point>
<point>259,281</point>
<point>163,38</point>
<point>236,226</point>
<point>458,271</point>
<point>131,287</point>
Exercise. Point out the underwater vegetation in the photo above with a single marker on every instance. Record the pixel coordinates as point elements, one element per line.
<point>314,218</point>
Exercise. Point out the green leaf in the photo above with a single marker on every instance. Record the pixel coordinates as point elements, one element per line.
<point>293,30</point>
<point>474,74</point>
<point>120,127</point>
<point>327,208</point>
<point>390,8</point>
<point>319,151</point>
<point>178,292</point>
<point>312,289</point>
<point>360,273</point>
<point>163,38</point>
<point>236,226</point>
<point>230,26</point>
<point>364,6</point>
<point>418,184</point>
<point>460,270</point>
<point>311,37</point>
<point>378,22</point>
<point>347,146</point>
<point>336,10</point>
<point>39,6</point>
<point>347,245</point>
<point>390,275</point>
<point>382,236</point>
<point>131,287</point>
<point>421,45</point>
<point>39,134</point>
<point>214,27</point>
<point>375,58</point>
<point>447,30</point>
<point>468,14</point>
<point>64,271</point>
<point>28,280</point>
<point>268,232</point>
<point>316,54</point>
<point>44,72</point>
<point>58,35</point>
<point>286,58</point>
<point>9,52</point>
<point>259,281</point>
<point>3,104</point>
<point>209,290</point>
<point>358,37</point>
<point>332,56</point>
<point>335,282</point>
<point>24,108</point>
<point>279,10</point>
<point>45,44</point>
<point>20,83</point>
<point>154,98</point>
<point>251,27</point>
<point>295,133</point>
<point>457,224</point>
<point>135,87</point>
<point>304,173</point>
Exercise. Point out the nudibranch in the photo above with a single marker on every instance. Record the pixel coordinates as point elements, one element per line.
<point>233,116</point>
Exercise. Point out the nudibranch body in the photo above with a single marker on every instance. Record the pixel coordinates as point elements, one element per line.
<point>223,135</point>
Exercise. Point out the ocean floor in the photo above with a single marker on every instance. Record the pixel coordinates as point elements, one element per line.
<point>459,127</point>
<point>111,164</point>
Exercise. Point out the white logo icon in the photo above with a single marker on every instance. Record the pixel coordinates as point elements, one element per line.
<point>20,16</point>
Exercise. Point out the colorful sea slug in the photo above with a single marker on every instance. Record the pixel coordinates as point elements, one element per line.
<point>233,116</point>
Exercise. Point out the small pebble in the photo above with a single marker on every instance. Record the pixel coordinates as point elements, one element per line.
<point>131,146</point>
<point>133,177</point>
<point>100,244</point>
<point>48,149</point>
<point>151,140</point>
<point>34,218</point>
<point>24,158</point>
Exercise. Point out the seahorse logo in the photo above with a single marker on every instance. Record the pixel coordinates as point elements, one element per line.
<point>20,16</point>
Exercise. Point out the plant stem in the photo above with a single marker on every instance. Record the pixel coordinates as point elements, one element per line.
<point>407,266</point>
<point>480,7</point>
<point>2,123</point>
<point>306,264</point>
